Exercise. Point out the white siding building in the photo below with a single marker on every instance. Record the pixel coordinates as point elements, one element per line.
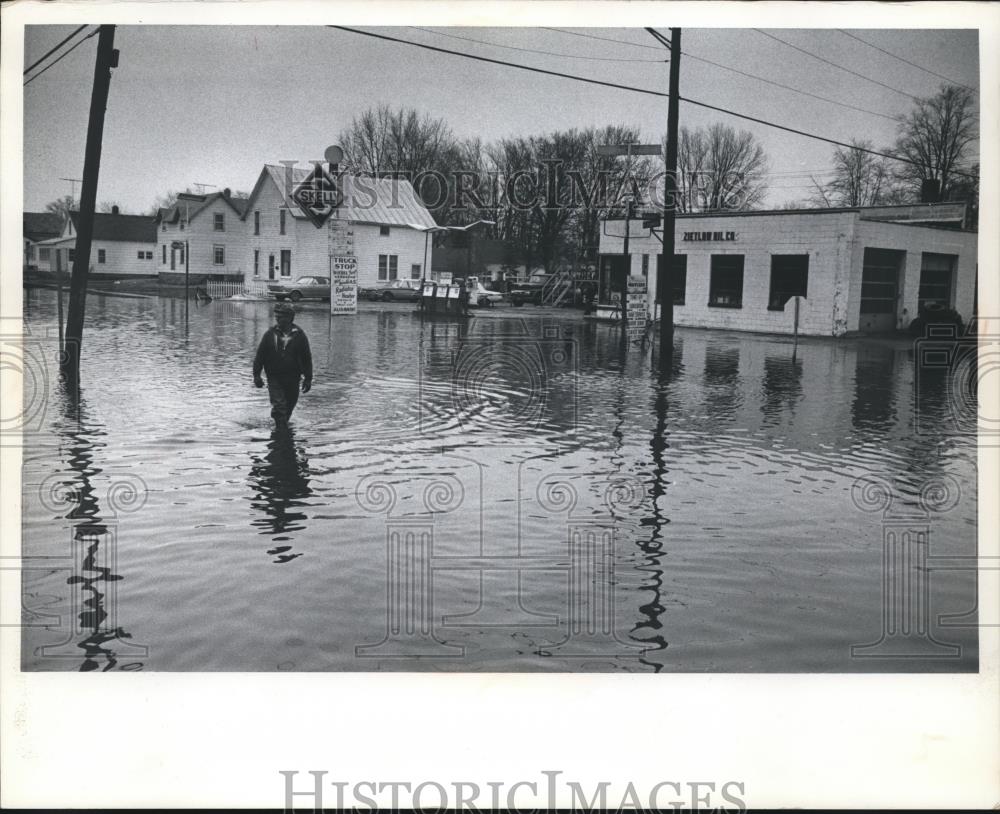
<point>384,221</point>
<point>210,227</point>
<point>860,269</point>
<point>122,246</point>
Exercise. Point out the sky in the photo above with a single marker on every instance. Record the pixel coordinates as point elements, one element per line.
<point>212,104</point>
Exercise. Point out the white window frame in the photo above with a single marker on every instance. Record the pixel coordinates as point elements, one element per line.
<point>215,254</point>
<point>219,221</point>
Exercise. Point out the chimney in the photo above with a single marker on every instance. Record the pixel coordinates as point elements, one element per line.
<point>930,191</point>
<point>227,192</point>
<point>114,209</point>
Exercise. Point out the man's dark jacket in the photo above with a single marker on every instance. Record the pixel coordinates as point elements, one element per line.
<point>284,360</point>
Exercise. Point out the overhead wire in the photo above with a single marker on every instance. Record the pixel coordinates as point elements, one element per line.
<point>603,39</point>
<point>535,50</point>
<point>904,59</point>
<point>48,53</point>
<point>835,65</point>
<point>646,91</point>
<point>62,56</point>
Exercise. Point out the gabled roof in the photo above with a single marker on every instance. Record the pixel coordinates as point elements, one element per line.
<point>384,201</point>
<point>188,206</point>
<point>121,228</point>
<point>41,225</point>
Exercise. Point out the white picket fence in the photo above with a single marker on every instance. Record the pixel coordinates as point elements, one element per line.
<point>221,289</point>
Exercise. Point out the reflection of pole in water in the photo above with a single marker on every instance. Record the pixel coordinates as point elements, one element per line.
<point>94,552</point>
<point>652,548</point>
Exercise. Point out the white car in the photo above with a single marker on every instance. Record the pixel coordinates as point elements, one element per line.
<point>480,295</point>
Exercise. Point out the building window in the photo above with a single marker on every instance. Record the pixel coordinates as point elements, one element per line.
<point>281,221</point>
<point>678,277</point>
<point>219,255</point>
<point>256,223</point>
<point>383,231</point>
<point>936,274</point>
<point>140,254</point>
<point>71,254</point>
<point>415,271</point>
<point>789,278</point>
<point>149,255</point>
<point>43,255</point>
<point>286,262</point>
<point>256,261</point>
<point>102,255</point>
<point>388,266</point>
<point>220,221</point>
<point>645,266</point>
<point>725,288</point>
<point>164,260</point>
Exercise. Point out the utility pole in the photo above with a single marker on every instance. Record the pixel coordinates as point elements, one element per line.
<point>628,262</point>
<point>107,58</point>
<point>664,279</point>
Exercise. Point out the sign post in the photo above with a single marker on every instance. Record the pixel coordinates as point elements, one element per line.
<point>628,150</point>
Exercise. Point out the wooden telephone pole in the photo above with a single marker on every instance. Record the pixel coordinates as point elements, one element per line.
<point>107,58</point>
<point>665,275</point>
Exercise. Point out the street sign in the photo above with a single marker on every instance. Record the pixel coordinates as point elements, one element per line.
<point>318,195</point>
<point>343,285</point>
<point>629,149</point>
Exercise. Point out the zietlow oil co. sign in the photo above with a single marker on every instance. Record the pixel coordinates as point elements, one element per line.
<point>695,236</point>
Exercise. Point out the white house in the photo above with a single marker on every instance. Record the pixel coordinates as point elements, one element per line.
<point>122,246</point>
<point>38,227</point>
<point>381,221</point>
<point>858,269</point>
<point>210,227</point>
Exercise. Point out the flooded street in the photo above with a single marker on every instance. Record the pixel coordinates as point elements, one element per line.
<point>506,494</point>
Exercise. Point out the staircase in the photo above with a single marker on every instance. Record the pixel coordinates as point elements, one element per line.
<point>556,288</point>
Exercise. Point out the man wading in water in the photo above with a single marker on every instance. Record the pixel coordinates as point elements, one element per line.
<point>284,355</point>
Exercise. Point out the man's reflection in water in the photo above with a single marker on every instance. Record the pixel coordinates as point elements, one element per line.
<point>103,640</point>
<point>280,481</point>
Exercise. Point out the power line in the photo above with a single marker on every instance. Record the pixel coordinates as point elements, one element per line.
<point>56,48</point>
<point>903,59</point>
<point>645,91</point>
<point>835,65</point>
<point>604,39</point>
<point>535,50</point>
<point>62,56</point>
<point>660,38</point>
<point>789,87</point>
<point>664,41</point>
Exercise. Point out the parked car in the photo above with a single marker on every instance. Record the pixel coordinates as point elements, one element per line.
<point>304,288</point>
<point>521,294</point>
<point>480,295</point>
<point>398,291</point>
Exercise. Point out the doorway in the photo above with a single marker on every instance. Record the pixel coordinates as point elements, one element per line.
<point>880,290</point>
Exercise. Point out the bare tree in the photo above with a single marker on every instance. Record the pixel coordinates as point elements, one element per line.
<point>859,178</point>
<point>61,206</point>
<point>720,168</point>
<point>107,207</point>
<point>165,201</point>
<point>936,138</point>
